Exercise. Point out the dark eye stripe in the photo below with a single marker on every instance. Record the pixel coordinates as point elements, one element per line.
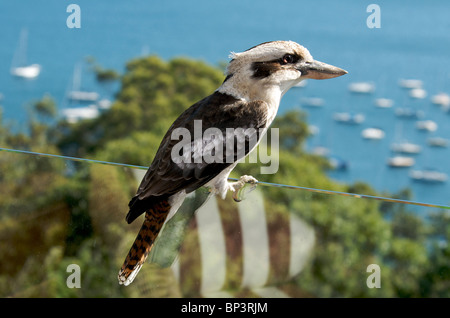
<point>265,69</point>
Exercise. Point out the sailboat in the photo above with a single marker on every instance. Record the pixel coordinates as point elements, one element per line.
<point>384,102</point>
<point>426,125</point>
<point>312,101</point>
<point>438,142</point>
<point>441,99</point>
<point>428,175</point>
<point>410,83</point>
<point>373,133</point>
<point>402,145</point>
<point>362,87</point>
<point>349,118</point>
<point>399,160</point>
<point>19,66</point>
<point>83,104</point>
<point>406,147</point>
<point>78,95</point>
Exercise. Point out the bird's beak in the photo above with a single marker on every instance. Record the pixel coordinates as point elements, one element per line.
<point>319,70</point>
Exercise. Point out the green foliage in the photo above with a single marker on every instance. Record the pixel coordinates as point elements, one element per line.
<point>103,75</point>
<point>137,149</point>
<point>293,131</point>
<point>46,107</point>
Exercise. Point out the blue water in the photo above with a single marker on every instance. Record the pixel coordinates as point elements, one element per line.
<point>413,42</point>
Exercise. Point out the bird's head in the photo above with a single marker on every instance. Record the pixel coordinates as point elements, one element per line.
<point>277,64</point>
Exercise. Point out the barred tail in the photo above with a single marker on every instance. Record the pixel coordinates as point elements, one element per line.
<point>154,220</point>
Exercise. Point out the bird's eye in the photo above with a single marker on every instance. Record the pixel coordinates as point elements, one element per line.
<point>288,58</point>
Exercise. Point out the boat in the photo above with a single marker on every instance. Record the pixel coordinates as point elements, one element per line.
<point>418,93</point>
<point>438,142</point>
<point>312,101</point>
<point>75,114</point>
<point>78,95</point>
<point>82,96</point>
<point>373,133</point>
<point>349,118</point>
<point>19,66</point>
<point>406,147</point>
<point>427,125</point>
<point>400,162</point>
<point>410,83</point>
<point>30,72</point>
<point>428,175</point>
<point>441,99</point>
<point>409,113</point>
<point>361,87</point>
<point>384,102</point>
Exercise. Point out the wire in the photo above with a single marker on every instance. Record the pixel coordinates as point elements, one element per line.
<point>348,194</point>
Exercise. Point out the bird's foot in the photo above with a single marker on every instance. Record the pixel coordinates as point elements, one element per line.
<point>243,186</point>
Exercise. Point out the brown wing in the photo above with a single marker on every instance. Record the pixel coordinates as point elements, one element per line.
<point>219,111</point>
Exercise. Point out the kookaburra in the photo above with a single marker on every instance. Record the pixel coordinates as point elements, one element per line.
<point>249,97</point>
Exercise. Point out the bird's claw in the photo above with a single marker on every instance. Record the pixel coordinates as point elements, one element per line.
<point>242,187</point>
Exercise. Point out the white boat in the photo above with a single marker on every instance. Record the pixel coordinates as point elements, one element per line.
<point>441,99</point>
<point>73,115</point>
<point>349,118</point>
<point>418,93</point>
<point>30,71</point>
<point>19,66</point>
<point>438,142</point>
<point>1,97</point>
<point>406,147</point>
<point>427,125</point>
<point>384,102</point>
<point>312,101</point>
<point>400,162</point>
<point>409,113</point>
<point>83,96</point>
<point>410,83</point>
<point>78,95</point>
<point>428,175</point>
<point>373,133</point>
<point>362,87</point>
